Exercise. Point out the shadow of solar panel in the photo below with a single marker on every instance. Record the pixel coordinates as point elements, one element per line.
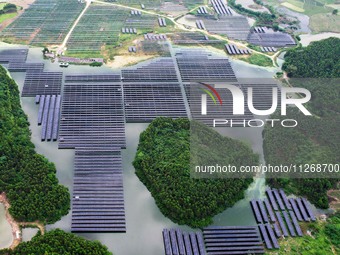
<point>92,115</point>
<point>98,194</point>
<point>42,83</point>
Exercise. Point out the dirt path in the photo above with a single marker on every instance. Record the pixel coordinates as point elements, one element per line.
<point>16,226</point>
<point>67,37</point>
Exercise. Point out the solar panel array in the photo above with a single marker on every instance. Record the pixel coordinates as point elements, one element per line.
<point>161,69</point>
<point>152,90</point>
<point>269,38</point>
<point>222,240</point>
<point>278,216</point>
<point>25,67</point>
<point>13,55</point>
<point>197,65</point>
<point>177,242</point>
<point>92,113</point>
<point>44,21</point>
<point>42,83</point>
<point>96,28</point>
<point>98,195</point>
<point>192,38</point>
<point>235,27</point>
<point>49,116</point>
<point>221,8</point>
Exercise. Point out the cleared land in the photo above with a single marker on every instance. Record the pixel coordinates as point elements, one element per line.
<point>325,23</point>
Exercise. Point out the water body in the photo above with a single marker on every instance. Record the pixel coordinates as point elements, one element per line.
<point>5,229</point>
<point>144,220</point>
<point>28,233</point>
<point>307,39</point>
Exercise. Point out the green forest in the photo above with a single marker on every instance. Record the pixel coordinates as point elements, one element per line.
<point>28,178</point>
<point>316,138</point>
<point>58,242</point>
<point>320,59</point>
<point>162,163</point>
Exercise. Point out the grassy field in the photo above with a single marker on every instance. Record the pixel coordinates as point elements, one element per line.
<point>7,16</point>
<point>325,23</point>
<point>294,5</point>
<point>258,59</point>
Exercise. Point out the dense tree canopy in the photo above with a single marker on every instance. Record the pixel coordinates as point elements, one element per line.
<point>162,163</point>
<point>320,59</point>
<point>58,242</point>
<point>316,138</point>
<point>28,178</point>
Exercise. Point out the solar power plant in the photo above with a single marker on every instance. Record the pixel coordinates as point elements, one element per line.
<point>13,55</point>
<point>141,22</point>
<point>147,101</point>
<point>147,4</point>
<point>92,115</point>
<point>177,242</point>
<point>271,39</point>
<point>96,28</point>
<point>161,69</point>
<point>24,67</point>
<point>48,116</point>
<point>265,237</point>
<point>234,50</point>
<point>289,223</point>
<point>295,209</point>
<point>155,37</point>
<point>221,8</point>
<point>278,199</point>
<point>263,210</point>
<point>302,209</point>
<point>277,229</point>
<point>215,110</point>
<point>200,66</point>
<point>235,27</point>
<point>308,209</point>
<point>256,211</point>
<point>93,78</point>
<point>269,209</point>
<point>222,240</point>
<point>262,92</point>
<point>42,83</point>
<point>285,199</point>
<point>295,223</point>
<point>45,21</point>
<point>192,38</point>
<point>271,199</point>
<point>282,224</point>
<point>170,7</point>
<point>272,236</point>
<point>98,198</point>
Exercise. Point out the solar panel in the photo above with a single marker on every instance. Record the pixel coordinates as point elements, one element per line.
<point>302,209</point>
<point>98,198</point>
<point>272,236</point>
<point>296,223</point>
<point>308,209</point>
<point>256,211</point>
<point>265,237</point>
<point>271,199</point>
<point>278,199</point>
<point>42,83</point>
<point>263,211</point>
<point>270,210</point>
<point>282,224</point>
<point>285,200</point>
<point>289,223</point>
<point>216,242</point>
<point>295,209</point>
<point>92,115</point>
